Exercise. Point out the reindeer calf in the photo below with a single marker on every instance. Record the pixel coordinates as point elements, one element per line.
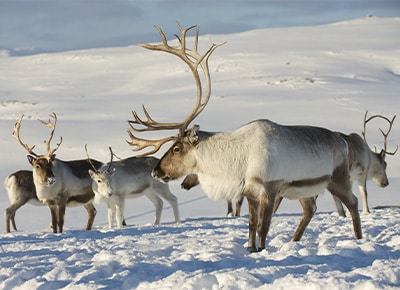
<point>130,178</point>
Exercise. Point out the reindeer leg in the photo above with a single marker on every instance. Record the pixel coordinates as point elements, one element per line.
<point>253,221</point>
<point>238,206</point>
<point>9,218</point>
<point>230,208</point>
<point>61,215</point>
<point>264,222</point>
<point>351,203</point>
<point>362,186</point>
<point>277,203</point>
<point>14,225</point>
<point>309,208</point>
<point>339,206</point>
<point>91,210</point>
<point>158,204</point>
<point>53,211</point>
<point>340,186</point>
<point>162,190</point>
<point>11,210</point>
<point>119,206</point>
<point>110,214</point>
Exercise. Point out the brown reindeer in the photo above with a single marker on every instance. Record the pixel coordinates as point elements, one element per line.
<point>60,183</point>
<point>20,190</point>
<point>261,160</point>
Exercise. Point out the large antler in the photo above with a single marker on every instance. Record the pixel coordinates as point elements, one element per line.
<point>15,134</point>
<point>49,124</point>
<point>193,59</point>
<point>385,135</point>
<point>53,128</point>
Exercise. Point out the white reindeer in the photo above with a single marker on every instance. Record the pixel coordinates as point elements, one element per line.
<point>364,164</point>
<point>115,181</point>
<point>261,160</point>
<point>60,183</point>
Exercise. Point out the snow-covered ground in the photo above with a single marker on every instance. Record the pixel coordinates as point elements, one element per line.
<point>323,75</point>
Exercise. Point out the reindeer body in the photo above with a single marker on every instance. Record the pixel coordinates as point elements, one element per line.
<point>130,178</point>
<point>262,152</point>
<point>264,160</point>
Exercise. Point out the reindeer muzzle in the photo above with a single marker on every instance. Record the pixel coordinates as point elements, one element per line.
<point>384,183</point>
<point>159,175</point>
<point>51,181</point>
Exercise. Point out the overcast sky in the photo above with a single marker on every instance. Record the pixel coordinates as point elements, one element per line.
<point>31,26</point>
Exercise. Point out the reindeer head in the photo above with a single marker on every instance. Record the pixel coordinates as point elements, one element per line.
<point>177,160</point>
<point>378,164</point>
<point>42,164</point>
<point>102,177</point>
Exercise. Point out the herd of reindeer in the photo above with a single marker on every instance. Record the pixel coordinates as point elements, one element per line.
<point>262,161</point>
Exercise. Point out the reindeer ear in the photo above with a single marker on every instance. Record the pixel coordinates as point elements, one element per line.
<point>91,173</point>
<point>30,159</point>
<point>52,157</point>
<point>192,134</point>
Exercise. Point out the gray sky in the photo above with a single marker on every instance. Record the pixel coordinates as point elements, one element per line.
<point>31,26</point>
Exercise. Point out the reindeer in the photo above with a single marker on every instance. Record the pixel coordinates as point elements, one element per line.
<point>364,164</point>
<point>192,180</point>
<point>261,160</point>
<point>20,190</point>
<point>60,183</point>
<point>113,182</point>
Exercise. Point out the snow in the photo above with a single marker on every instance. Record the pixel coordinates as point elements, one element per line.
<point>324,75</point>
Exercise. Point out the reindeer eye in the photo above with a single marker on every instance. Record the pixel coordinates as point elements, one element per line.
<point>176,149</point>
<point>98,181</point>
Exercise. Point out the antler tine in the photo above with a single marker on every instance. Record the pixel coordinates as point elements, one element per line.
<point>201,102</point>
<point>141,144</point>
<point>385,135</point>
<point>364,127</point>
<point>15,134</point>
<point>150,124</point>
<point>53,127</point>
<point>90,160</point>
<point>111,159</point>
<point>369,119</point>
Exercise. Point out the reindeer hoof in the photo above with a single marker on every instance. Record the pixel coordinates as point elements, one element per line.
<point>252,249</point>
